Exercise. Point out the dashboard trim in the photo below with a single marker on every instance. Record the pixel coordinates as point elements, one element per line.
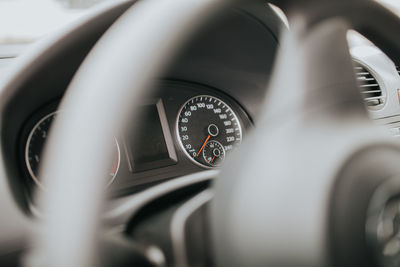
<point>123,209</point>
<point>178,223</point>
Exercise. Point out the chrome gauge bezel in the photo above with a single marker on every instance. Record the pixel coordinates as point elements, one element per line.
<point>118,164</point>
<point>177,135</point>
<point>28,141</point>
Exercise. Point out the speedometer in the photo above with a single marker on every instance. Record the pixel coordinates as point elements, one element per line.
<point>208,129</point>
<point>35,144</point>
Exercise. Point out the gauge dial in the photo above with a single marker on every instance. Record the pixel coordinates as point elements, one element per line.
<point>214,153</point>
<point>35,144</point>
<point>208,127</point>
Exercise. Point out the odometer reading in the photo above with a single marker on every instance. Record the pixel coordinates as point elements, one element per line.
<point>208,130</point>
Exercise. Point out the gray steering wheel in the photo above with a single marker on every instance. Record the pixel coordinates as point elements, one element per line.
<point>303,196</point>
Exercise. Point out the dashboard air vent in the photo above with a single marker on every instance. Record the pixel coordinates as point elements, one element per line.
<point>370,89</point>
<point>398,69</point>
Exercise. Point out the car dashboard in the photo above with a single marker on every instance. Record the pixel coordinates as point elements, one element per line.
<point>204,105</point>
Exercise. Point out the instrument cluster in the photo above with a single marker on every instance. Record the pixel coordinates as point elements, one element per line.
<point>182,129</point>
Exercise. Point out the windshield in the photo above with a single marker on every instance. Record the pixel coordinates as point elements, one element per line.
<point>25,21</point>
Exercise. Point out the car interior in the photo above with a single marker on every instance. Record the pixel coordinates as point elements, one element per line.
<point>205,133</point>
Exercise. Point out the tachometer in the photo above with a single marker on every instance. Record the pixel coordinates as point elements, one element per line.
<point>35,144</point>
<point>208,129</point>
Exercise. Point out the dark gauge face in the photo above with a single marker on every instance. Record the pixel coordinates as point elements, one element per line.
<point>214,153</point>
<point>35,144</point>
<point>208,130</point>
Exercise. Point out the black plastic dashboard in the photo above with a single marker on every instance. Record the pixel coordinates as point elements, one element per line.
<point>230,60</point>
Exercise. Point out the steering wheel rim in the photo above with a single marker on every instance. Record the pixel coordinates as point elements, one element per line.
<point>56,203</point>
<point>65,215</point>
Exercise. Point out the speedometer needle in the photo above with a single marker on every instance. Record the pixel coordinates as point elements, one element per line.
<point>204,144</point>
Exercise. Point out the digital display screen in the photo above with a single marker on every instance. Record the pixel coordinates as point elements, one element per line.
<point>150,142</point>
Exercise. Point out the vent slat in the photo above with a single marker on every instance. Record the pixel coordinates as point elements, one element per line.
<point>370,85</point>
<point>373,98</point>
<point>370,89</point>
<point>372,103</point>
<point>365,79</point>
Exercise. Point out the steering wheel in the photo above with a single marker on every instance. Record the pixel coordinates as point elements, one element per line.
<point>318,181</point>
